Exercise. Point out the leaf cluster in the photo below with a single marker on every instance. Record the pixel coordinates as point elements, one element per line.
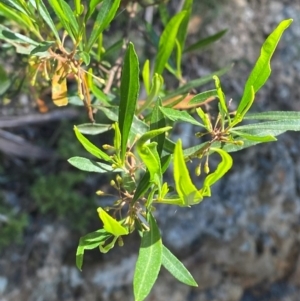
<point>142,149</point>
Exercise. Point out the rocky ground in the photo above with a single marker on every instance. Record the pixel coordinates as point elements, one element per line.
<point>243,244</point>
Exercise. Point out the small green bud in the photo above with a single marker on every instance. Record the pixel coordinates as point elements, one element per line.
<point>119,179</point>
<point>206,167</point>
<point>198,170</point>
<point>239,142</point>
<point>99,192</point>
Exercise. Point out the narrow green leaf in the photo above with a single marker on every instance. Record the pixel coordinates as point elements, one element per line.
<point>157,83</point>
<point>185,188</point>
<point>148,262</point>
<point>262,68</point>
<point>178,72</point>
<point>203,96</point>
<point>90,147</point>
<point>93,128</point>
<point>281,125</point>
<point>91,166</point>
<point>74,27</point>
<point>195,83</point>
<point>207,41</point>
<point>105,15</point>
<point>44,13</point>
<point>143,185</point>
<point>182,31</point>
<point>148,153</point>
<point>167,42</point>
<point>85,57</point>
<point>189,152</point>
<point>89,242</point>
<point>42,47</point>
<point>223,167</point>
<point>17,16</point>
<point>130,86</point>
<point>55,4</point>
<point>176,268</point>
<point>250,137</point>
<point>176,115</point>
<point>111,225</point>
<point>164,15</point>
<point>158,121</point>
<point>91,8</point>
<point>117,46</point>
<point>146,76</point>
<point>221,95</point>
<point>165,162</point>
<point>7,34</point>
<point>18,6</point>
<point>273,115</point>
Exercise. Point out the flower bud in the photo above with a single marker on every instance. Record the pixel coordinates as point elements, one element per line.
<point>198,170</point>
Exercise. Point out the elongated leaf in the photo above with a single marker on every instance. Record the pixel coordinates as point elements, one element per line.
<point>90,147</point>
<point>195,83</point>
<point>158,121</point>
<point>43,11</point>
<point>167,42</point>
<point>117,46</point>
<point>146,76</point>
<point>221,95</point>
<point>176,115</point>
<point>207,41</point>
<point>143,186</point>
<point>176,268</point>
<point>17,16</point>
<point>202,97</point>
<point>93,128</point>
<point>185,188</point>
<point>7,34</point>
<point>250,137</point>
<point>111,225</point>
<point>222,168</point>
<point>182,31</point>
<point>74,27</point>
<point>89,242</point>
<point>91,166</point>
<point>157,82</point>
<point>91,8</point>
<point>130,86</point>
<point>42,47</point>
<point>262,69</point>
<point>273,115</point>
<point>148,262</point>
<point>281,125</point>
<point>149,154</point>
<point>106,14</point>
<point>18,6</point>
